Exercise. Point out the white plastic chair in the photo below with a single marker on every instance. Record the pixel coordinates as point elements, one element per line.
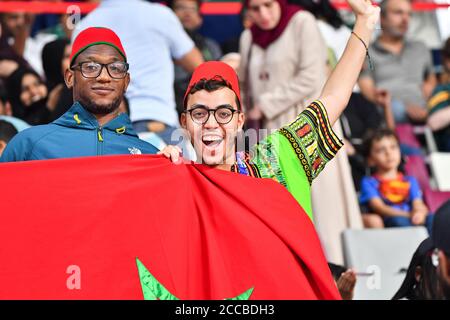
<point>382,257</point>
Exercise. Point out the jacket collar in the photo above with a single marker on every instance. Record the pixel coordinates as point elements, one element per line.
<point>78,117</point>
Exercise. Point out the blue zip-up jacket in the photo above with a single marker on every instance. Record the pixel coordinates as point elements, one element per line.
<point>76,134</point>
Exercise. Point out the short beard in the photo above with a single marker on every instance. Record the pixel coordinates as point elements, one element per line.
<point>94,108</point>
<point>394,33</point>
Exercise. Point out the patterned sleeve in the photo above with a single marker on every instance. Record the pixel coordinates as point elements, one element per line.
<point>312,139</point>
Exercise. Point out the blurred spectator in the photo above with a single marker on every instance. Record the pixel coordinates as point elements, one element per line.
<point>283,62</point>
<point>331,25</point>
<point>29,98</point>
<point>395,197</point>
<point>55,60</point>
<point>402,68</point>
<point>17,44</point>
<point>6,112</point>
<point>8,52</point>
<point>52,60</point>
<point>361,116</point>
<point>151,41</point>
<point>7,131</point>
<point>439,105</point>
<point>188,11</point>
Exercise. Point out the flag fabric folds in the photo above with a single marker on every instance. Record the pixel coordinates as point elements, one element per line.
<point>74,229</point>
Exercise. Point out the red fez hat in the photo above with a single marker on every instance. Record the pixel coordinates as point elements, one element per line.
<point>95,35</point>
<point>215,70</point>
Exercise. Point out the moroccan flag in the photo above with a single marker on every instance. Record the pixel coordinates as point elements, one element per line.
<point>121,227</point>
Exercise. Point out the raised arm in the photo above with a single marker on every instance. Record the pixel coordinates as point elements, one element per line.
<point>338,88</point>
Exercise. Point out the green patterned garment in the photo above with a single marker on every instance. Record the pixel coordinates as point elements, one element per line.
<point>296,154</point>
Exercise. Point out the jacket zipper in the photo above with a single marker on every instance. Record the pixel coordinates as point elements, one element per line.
<point>100,141</point>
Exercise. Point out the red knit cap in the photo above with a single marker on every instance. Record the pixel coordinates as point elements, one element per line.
<point>95,35</point>
<point>214,70</point>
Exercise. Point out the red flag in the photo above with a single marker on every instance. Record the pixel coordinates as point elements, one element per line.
<point>73,228</point>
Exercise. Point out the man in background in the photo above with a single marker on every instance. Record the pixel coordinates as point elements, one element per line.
<point>188,11</point>
<point>402,69</point>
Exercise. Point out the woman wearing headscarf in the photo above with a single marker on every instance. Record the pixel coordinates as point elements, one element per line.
<point>55,60</point>
<point>283,67</point>
<point>283,63</point>
<point>28,96</point>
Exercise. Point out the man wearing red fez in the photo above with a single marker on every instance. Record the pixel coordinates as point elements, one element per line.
<point>99,77</point>
<point>295,154</point>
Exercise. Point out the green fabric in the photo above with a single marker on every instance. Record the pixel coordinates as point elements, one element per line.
<point>276,159</point>
<point>295,178</point>
<point>296,154</point>
<point>244,296</point>
<point>152,288</point>
<point>332,60</point>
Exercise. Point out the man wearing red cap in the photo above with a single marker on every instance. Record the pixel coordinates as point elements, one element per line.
<point>99,77</point>
<point>297,152</point>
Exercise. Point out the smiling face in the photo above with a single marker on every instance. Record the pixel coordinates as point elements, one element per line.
<point>103,94</point>
<point>32,89</point>
<point>265,14</point>
<point>214,143</point>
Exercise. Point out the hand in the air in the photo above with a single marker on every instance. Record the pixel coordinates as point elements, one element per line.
<point>365,9</point>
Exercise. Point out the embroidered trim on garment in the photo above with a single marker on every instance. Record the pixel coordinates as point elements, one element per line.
<point>300,153</point>
<point>312,139</point>
<point>243,159</point>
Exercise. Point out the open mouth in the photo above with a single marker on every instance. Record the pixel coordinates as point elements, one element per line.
<point>212,142</point>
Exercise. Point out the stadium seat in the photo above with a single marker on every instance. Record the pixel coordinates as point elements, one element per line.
<point>383,254</point>
<point>405,133</point>
<point>440,168</point>
<point>434,199</point>
<point>415,166</point>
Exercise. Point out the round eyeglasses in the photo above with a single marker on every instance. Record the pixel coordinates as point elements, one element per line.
<point>90,69</point>
<point>201,114</point>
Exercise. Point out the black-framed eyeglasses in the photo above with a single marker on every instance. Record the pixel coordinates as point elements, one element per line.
<point>222,114</point>
<point>91,69</point>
